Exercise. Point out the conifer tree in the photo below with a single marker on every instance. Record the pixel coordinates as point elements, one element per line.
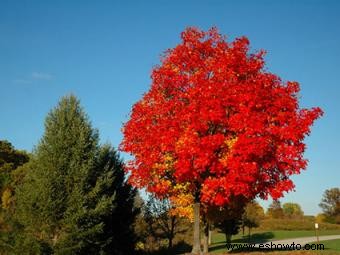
<point>121,238</point>
<point>69,195</point>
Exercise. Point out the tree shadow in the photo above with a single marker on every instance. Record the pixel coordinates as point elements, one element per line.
<point>254,238</point>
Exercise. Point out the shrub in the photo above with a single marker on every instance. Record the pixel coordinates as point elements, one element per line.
<point>292,224</point>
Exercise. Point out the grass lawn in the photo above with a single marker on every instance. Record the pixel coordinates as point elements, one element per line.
<point>264,236</point>
<point>332,247</point>
<point>287,253</point>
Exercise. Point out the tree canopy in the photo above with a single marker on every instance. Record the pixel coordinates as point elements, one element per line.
<point>330,204</point>
<point>292,210</point>
<point>275,210</point>
<point>216,124</point>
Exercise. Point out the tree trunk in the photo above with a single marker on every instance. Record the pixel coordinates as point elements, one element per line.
<point>210,234</point>
<point>172,231</point>
<point>196,248</point>
<point>228,238</point>
<point>206,237</point>
<point>170,243</point>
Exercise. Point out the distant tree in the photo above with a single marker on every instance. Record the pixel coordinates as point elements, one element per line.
<point>141,227</point>
<point>230,227</point>
<point>275,210</point>
<point>330,205</point>
<point>163,224</point>
<point>292,210</point>
<point>228,218</point>
<point>75,190</point>
<point>320,218</point>
<point>252,216</point>
<point>10,160</point>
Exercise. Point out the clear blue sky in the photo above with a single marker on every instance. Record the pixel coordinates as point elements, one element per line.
<point>103,52</point>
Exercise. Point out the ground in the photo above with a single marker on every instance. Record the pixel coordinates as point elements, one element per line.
<point>331,246</point>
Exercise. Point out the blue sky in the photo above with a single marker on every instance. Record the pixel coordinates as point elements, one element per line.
<point>103,52</point>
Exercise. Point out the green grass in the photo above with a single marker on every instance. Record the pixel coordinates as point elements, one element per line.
<point>218,239</point>
<point>333,245</point>
<point>261,236</point>
<point>326,252</point>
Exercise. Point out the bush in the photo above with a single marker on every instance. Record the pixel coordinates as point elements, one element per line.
<point>307,223</point>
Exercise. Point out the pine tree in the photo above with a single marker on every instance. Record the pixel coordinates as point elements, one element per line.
<point>119,223</point>
<point>71,189</point>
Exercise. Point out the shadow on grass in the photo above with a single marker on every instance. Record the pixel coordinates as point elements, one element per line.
<point>254,238</point>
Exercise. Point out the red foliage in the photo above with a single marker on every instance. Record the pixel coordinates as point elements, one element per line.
<point>216,119</point>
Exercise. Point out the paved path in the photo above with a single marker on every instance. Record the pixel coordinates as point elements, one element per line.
<point>303,240</point>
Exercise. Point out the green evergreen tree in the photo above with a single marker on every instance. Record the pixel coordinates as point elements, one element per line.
<point>119,224</point>
<point>69,194</point>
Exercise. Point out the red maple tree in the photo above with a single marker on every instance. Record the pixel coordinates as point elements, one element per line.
<point>217,123</point>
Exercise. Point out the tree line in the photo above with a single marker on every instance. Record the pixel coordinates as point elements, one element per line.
<point>71,196</point>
